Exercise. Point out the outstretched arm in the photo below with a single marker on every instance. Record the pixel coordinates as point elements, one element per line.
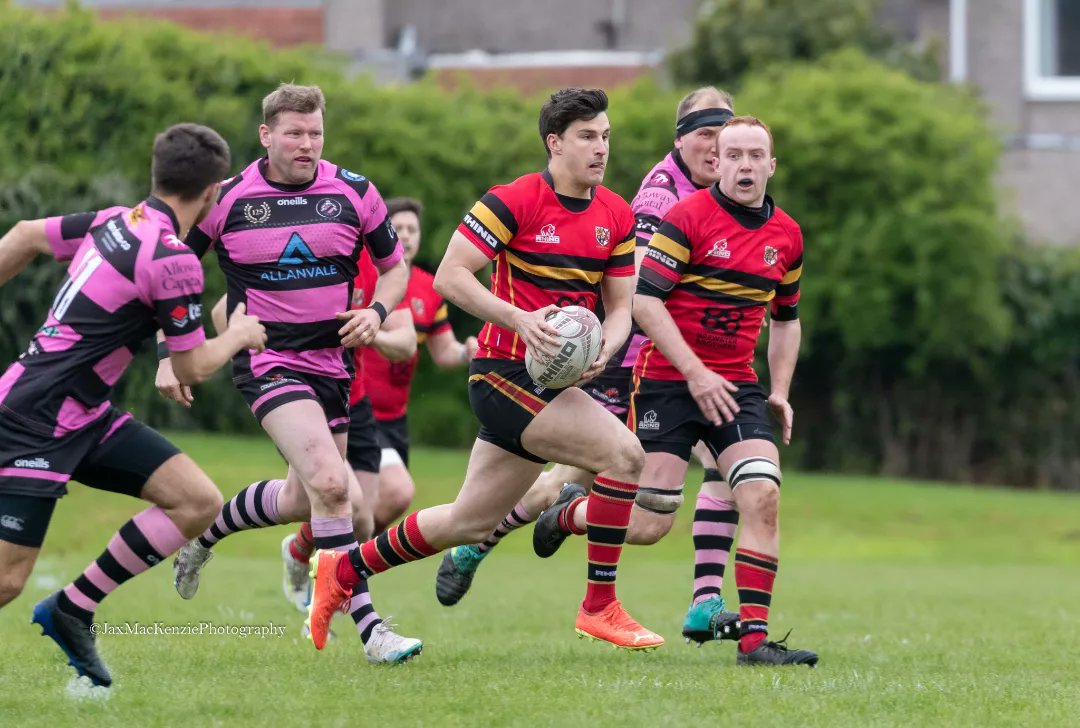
<point>21,245</point>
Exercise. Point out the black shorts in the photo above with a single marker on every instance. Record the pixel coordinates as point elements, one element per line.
<point>505,399</point>
<point>611,389</point>
<point>667,419</point>
<point>280,386</point>
<point>117,453</point>
<point>362,451</point>
<point>394,435</point>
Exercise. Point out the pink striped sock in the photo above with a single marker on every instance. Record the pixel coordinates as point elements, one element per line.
<point>253,507</point>
<point>715,521</point>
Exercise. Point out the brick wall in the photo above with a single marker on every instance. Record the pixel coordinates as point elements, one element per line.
<point>280,26</point>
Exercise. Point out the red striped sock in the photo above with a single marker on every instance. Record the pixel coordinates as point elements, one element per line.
<point>755,574</point>
<point>396,546</point>
<point>303,545</point>
<point>566,517</point>
<point>607,515</point>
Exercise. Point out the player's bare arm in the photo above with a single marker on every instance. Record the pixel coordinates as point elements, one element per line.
<point>196,365</point>
<point>618,293</point>
<point>219,314</point>
<point>456,282</point>
<point>784,340</point>
<point>449,353</point>
<point>711,391</point>
<point>21,245</point>
<point>361,325</point>
<point>396,339</point>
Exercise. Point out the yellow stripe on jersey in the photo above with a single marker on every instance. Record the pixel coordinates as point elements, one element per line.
<point>555,272</point>
<point>730,289</point>
<point>679,252</point>
<point>484,214</point>
<point>791,276</point>
<point>441,315</point>
<point>626,246</point>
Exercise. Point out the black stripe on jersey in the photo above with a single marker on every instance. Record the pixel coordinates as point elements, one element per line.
<point>554,260</point>
<point>500,211</point>
<point>117,245</point>
<point>795,263</point>
<point>785,313</point>
<point>717,296</point>
<point>787,289</point>
<point>302,336</point>
<point>358,182</point>
<point>198,241</point>
<point>731,275</point>
<point>180,315</point>
<point>295,210</point>
<point>674,234</point>
<point>228,184</point>
<point>620,261</point>
<point>576,285</point>
<point>382,240</point>
<point>646,223</point>
<point>77,225</point>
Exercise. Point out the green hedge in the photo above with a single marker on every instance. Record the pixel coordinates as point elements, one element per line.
<point>936,345</point>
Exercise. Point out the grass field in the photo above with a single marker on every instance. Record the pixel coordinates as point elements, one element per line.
<point>929,604</point>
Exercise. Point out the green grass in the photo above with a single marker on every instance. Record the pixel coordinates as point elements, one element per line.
<point>930,605</point>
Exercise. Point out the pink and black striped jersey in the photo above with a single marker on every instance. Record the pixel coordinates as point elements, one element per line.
<point>129,276</point>
<point>289,252</point>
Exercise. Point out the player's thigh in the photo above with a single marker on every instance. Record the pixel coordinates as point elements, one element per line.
<point>574,430</point>
<point>24,521</point>
<point>396,483</point>
<point>495,481</point>
<point>299,430</point>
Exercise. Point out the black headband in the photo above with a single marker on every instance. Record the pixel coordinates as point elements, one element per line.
<point>702,117</point>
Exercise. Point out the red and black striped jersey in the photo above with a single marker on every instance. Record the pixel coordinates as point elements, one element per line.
<point>547,249</point>
<point>718,268</point>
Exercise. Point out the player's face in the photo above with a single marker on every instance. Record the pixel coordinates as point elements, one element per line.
<point>294,145</point>
<point>698,150</point>
<point>584,149</point>
<point>746,163</point>
<point>209,199</point>
<point>407,225</point>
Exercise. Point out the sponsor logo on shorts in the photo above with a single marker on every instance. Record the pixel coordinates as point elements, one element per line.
<point>38,463</point>
<point>11,523</point>
<point>547,235</point>
<point>257,214</point>
<point>292,201</point>
<point>277,380</point>
<point>328,208</point>
<point>649,421</point>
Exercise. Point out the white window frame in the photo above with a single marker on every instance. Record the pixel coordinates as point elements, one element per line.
<point>1038,87</point>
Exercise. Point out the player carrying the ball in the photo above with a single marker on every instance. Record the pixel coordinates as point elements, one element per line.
<point>556,237</point>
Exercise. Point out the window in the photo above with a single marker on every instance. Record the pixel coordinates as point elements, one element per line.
<point>1052,49</point>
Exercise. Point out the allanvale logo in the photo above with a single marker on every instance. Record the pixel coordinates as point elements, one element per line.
<point>11,523</point>
<point>649,421</point>
<point>38,463</point>
<point>298,263</point>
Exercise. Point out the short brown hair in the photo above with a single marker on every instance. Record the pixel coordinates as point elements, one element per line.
<point>567,106</point>
<point>405,204</point>
<point>718,97</point>
<point>750,121</point>
<point>290,97</point>
<point>188,158</point>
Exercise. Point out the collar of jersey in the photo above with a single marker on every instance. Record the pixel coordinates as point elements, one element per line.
<point>748,217</point>
<point>677,158</point>
<point>155,204</point>
<point>573,204</point>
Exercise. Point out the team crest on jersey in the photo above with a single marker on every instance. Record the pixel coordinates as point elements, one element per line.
<point>257,214</point>
<point>136,215</point>
<point>547,235</point>
<point>661,178</point>
<point>719,250</point>
<point>418,306</point>
<point>603,236</point>
<point>771,255</point>
<point>352,176</point>
<point>328,208</point>
<point>173,242</point>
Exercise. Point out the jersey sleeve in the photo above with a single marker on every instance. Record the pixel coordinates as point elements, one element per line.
<point>786,302</point>
<point>203,236</point>
<point>651,203</point>
<point>666,258</point>
<point>176,286</point>
<point>441,321</point>
<point>380,237</point>
<point>66,232</point>
<point>621,262</point>
<point>490,224</point>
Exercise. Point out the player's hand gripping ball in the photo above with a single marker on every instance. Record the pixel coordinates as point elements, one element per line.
<point>579,346</point>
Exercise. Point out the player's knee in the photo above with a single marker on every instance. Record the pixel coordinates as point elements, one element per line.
<point>395,496</point>
<point>648,528</point>
<point>627,457</point>
<point>11,586</point>
<point>759,502</point>
<point>332,485</point>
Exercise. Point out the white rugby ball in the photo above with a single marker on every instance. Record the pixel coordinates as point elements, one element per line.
<point>579,347</point>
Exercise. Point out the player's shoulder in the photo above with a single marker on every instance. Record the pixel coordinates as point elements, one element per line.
<point>343,178</point>
<point>787,223</point>
<point>613,202</point>
<point>521,190</point>
<point>662,176</point>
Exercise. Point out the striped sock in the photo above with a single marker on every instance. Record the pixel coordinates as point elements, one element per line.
<point>565,519</point>
<point>715,521</point>
<point>336,534</point>
<point>754,575</point>
<point>607,515</point>
<point>253,507</point>
<point>303,545</point>
<point>515,519</point>
<point>144,541</point>
<point>396,546</point>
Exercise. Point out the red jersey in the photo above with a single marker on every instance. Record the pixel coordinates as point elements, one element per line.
<point>548,249</point>
<point>363,289</point>
<point>388,383</point>
<point>718,274</point>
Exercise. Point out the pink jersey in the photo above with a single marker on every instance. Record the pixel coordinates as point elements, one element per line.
<point>129,276</point>
<point>289,252</point>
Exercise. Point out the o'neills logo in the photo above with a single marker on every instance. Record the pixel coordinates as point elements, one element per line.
<point>35,464</point>
<point>555,368</point>
<point>292,201</point>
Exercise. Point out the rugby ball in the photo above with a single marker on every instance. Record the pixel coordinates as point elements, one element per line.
<point>579,347</point>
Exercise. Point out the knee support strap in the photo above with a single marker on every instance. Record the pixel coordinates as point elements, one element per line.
<point>659,500</point>
<point>754,468</point>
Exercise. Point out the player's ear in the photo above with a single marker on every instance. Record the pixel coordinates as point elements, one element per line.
<point>264,135</point>
<point>210,194</point>
<point>772,166</point>
<point>554,142</point>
